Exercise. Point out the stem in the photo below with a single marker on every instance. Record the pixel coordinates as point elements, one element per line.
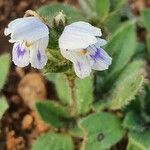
<point>73,104</point>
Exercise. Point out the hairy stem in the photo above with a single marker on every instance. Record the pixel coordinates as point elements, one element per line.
<point>73,104</point>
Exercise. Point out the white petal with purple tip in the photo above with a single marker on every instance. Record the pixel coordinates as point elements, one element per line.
<point>20,55</point>
<point>38,57</point>
<point>82,67</point>
<point>99,59</point>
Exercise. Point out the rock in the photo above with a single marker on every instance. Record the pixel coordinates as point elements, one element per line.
<point>32,88</point>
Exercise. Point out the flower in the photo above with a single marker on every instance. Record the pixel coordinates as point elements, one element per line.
<point>80,43</point>
<point>30,37</point>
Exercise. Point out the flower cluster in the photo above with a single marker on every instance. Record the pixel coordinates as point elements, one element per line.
<point>80,43</point>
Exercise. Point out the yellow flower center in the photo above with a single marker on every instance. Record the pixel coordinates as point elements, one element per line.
<point>28,44</point>
<point>83,52</point>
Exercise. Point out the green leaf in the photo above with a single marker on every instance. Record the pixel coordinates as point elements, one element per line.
<point>4,69</point>
<point>84,94</point>
<point>121,46</point>
<point>113,21</point>
<point>63,89</point>
<point>145,104</point>
<point>51,113</point>
<point>50,76</point>
<point>142,140</point>
<point>3,106</point>
<point>133,121</point>
<point>102,7</point>
<point>102,130</point>
<point>53,141</point>
<point>127,85</point>
<point>147,42</point>
<point>117,4</point>
<point>76,132</point>
<point>50,11</point>
<point>145,13</point>
<point>88,7</point>
<point>80,89</point>
<point>132,146</point>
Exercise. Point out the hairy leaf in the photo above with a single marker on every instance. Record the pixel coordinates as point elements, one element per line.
<point>145,13</point>
<point>142,140</point>
<point>102,7</point>
<point>127,85</point>
<point>3,106</point>
<point>121,46</point>
<point>4,68</point>
<point>53,141</point>
<point>102,130</point>
<point>50,11</point>
<point>51,113</point>
<point>133,121</point>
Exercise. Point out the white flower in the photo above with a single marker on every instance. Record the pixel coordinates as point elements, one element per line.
<point>80,43</point>
<point>30,37</point>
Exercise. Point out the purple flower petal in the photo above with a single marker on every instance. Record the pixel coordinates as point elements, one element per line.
<point>20,55</point>
<point>38,57</point>
<point>99,59</point>
<point>82,67</point>
<point>100,54</point>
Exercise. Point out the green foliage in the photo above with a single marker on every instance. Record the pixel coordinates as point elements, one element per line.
<point>117,87</point>
<point>3,106</point>
<point>80,90</point>
<point>4,68</point>
<point>113,21</point>
<point>53,141</point>
<point>145,14</point>
<point>63,89</point>
<point>50,11</point>
<point>147,41</point>
<point>145,104</point>
<point>141,139</point>
<point>117,4</point>
<point>121,46</point>
<point>102,130</point>
<point>83,99</point>
<point>132,146</point>
<point>133,121</point>
<point>102,7</point>
<point>88,7</point>
<point>51,113</point>
<point>127,85</point>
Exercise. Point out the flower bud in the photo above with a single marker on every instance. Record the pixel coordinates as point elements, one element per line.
<point>60,19</point>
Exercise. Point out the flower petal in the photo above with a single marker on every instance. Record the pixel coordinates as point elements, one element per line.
<point>85,27</point>
<point>38,57</point>
<point>99,59</point>
<point>73,39</point>
<point>82,67</point>
<point>100,42</point>
<point>81,64</point>
<point>20,55</point>
<point>27,29</point>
